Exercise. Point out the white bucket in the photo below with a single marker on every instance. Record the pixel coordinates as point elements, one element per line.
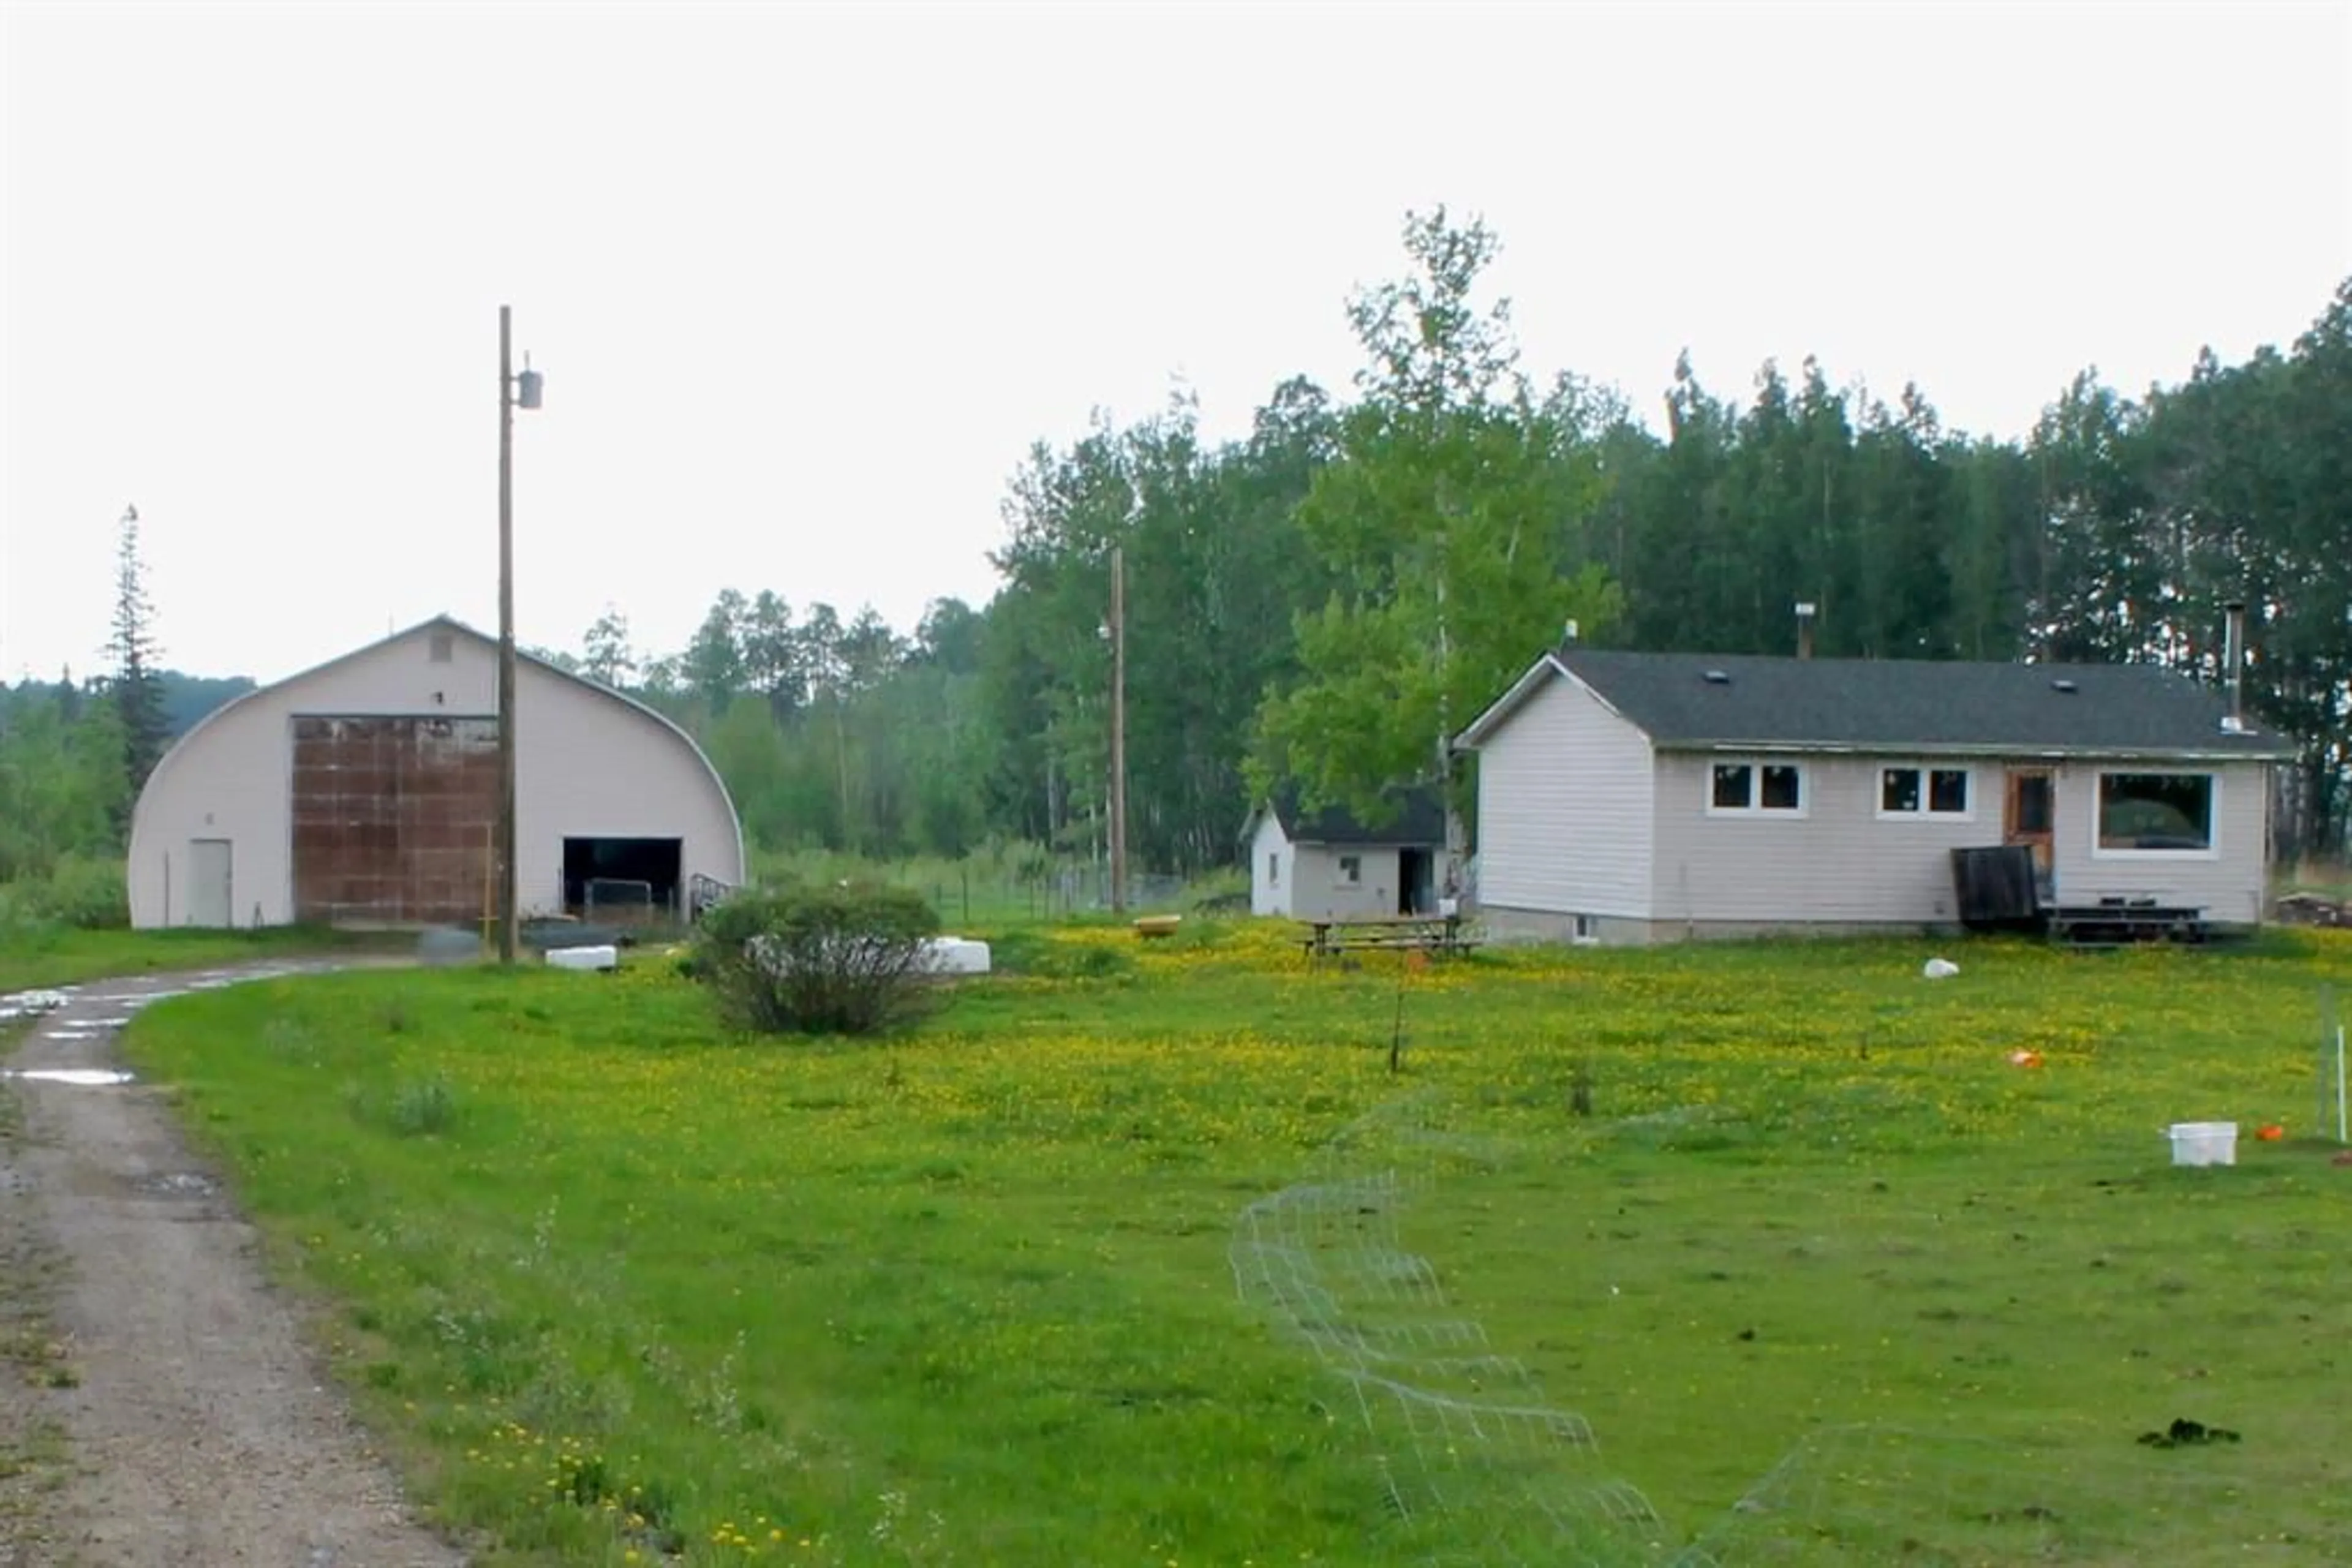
<point>605,957</point>
<point>2204,1143</point>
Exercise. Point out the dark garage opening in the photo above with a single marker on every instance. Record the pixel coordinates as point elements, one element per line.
<point>624,879</point>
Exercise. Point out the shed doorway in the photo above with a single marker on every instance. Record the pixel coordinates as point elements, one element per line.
<point>1416,881</point>
<point>629,880</point>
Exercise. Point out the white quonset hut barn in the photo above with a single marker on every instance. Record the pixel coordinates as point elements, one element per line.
<point>365,792</point>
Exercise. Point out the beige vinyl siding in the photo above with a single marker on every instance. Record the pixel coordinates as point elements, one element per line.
<point>1565,808</point>
<point>2229,883</point>
<point>1318,893</point>
<point>1271,894</point>
<point>1838,863</point>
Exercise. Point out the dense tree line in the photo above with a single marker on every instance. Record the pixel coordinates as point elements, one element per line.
<point>1325,597</point>
<point>65,762</point>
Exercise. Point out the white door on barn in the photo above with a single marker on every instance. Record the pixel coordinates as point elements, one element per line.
<point>208,882</point>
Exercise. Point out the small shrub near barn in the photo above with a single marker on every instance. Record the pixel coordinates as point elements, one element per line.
<point>820,959</point>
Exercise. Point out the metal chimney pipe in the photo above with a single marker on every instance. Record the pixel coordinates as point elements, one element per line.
<point>1804,628</point>
<point>2233,656</point>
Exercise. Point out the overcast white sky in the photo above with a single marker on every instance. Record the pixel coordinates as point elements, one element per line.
<point>806,281</point>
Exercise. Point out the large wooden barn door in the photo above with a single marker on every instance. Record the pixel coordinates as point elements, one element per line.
<point>393,818</point>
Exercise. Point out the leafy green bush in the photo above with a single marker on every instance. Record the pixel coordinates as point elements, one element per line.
<point>843,959</point>
<point>76,890</point>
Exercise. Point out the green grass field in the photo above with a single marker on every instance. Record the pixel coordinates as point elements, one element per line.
<point>1146,1256</point>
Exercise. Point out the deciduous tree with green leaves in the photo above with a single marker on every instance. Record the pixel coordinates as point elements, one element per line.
<point>606,652</point>
<point>1440,520</point>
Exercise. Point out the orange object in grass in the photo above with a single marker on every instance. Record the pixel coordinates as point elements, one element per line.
<point>2271,1132</point>
<point>2025,1059</point>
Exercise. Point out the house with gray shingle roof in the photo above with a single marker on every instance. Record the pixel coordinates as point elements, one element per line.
<point>1642,797</point>
<point>1327,865</point>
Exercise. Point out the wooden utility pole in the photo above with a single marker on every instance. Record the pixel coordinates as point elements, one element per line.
<point>1117,730</point>
<point>509,921</point>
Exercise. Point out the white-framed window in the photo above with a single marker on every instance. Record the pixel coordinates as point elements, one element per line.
<point>2157,813</point>
<point>440,647</point>
<point>1273,868</point>
<point>1351,870</point>
<point>1754,787</point>
<point>1910,791</point>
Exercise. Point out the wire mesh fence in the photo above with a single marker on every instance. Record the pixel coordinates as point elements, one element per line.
<point>963,896</point>
<point>1473,1462</point>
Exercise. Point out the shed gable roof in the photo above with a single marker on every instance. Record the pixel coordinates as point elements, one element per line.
<point>1420,820</point>
<point>1705,701</point>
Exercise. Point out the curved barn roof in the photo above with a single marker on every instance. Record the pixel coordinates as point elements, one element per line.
<point>453,624</point>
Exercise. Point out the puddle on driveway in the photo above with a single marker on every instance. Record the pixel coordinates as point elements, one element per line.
<point>179,1185</point>
<point>31,1003</point>
<point>80,1078</point>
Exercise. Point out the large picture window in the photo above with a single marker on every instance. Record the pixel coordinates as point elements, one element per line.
<point>2157,812</point>
<point>1738,788</point>
<point>1909,792</point>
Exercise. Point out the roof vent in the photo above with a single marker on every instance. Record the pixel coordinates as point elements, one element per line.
<point>2062,684</point>
<point>1716,677</point>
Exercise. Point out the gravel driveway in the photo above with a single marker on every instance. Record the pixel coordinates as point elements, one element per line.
<point>168,1411</point>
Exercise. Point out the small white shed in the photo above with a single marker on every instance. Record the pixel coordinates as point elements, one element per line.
<point>1326,865</point>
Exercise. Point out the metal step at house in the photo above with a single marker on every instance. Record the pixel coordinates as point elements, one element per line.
<point>2123,922</point>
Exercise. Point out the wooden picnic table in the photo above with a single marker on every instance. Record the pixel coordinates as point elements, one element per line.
<point>1413,933</point>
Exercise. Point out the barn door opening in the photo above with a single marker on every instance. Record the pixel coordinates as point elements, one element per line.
<point>631,881</point>
<point>209,902</point>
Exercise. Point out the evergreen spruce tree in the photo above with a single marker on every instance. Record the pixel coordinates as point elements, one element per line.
<point>137,686</point>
